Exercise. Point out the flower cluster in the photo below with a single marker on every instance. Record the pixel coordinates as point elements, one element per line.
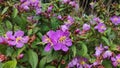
<point>31,4</point>
<point>103,51</point>
<point>17,39</point>
<point>71,3</point>
<point>67,24</point>
<point>79,62</point>
<point>101,27</point>
<point>58,40</point>
<point>116,60</point>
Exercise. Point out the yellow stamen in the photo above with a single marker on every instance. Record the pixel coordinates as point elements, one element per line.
<point>115,19</point>
<point>49,41</point>
<point>118,60</point>
<point>18,39</point>
<point>82,62</point>
<point>62,38</point>
<point>102,27</point>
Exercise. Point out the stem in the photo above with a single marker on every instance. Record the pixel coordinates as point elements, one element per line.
<point>59,61</point>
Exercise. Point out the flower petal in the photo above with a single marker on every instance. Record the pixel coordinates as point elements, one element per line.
<point>25,39</point>
<point>57,46</point>
<point>19,44</point>
<point>47,47</point>
<point>19,33</point>
<point>64,48</point>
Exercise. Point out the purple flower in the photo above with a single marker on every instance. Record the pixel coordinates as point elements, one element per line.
<point>77,31</point>
<point>72,3</point>
<point>64,28</point>
<point>59,40</point>
<point>99,50</point>
<point>2,40</point>
<point>38,10</point>
<point>116,60</point>
<point>100,27</point>
<point>25,5</point>
<point>70,21</point>
<point>59,17</point>
<point>63,40</point>
<point>48,39</point>
<point>79,62</point>
<point>50,8</point>
<point>17,39</point>
<point>107,54</point>
<point>98,20</point>
<point>115,20</point>
<point>65,1</point>
<point>86,27</point>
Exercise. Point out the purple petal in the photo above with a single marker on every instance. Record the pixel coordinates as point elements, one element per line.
<point>11,43</point>
<point>57,46</point>
<point>9,35</point>
<point>64,48</point>
<point>19,44</point>
<point>25,39</point>
<point>1,40</point>
<point>47,48</point>
<point>113,59</point>
<point>19,33</point>
<point>115,64</point>
<point>68,42</point>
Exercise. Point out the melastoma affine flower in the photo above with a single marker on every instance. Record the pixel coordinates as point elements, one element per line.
<point>18,39</point>
<point>100,27</point>
<point>58,40</point>
<point>116,60</point>
<point>63,40</point>
<point>115,20</point>
<point>79,62</point>
<point>49,40</point>
<point>107,54</point>
<point>70,21</point>
<point>65,1</point>
<point>99,50</point>
<point>86,27</point>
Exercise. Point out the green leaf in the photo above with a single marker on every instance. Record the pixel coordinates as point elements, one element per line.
<point>15,12</point>
<point>42,62</point>
<point>4,10</point>
<point>83,51</point>
<point>50,66</point>
<point>10,64</point>
<point>9,25</point>
<point>107,64</point>
<point>106,40</point>
<point>18,52</point>
<point>32,58</point>
<point>74,50</point>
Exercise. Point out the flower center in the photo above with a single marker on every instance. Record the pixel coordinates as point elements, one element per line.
<point>115,19</point>
<point>82,62</point>
<point>62,38</point>
<point>118,60</point>
<point>18,39</point>
<point>49,41</point>
<point>102,27</point>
